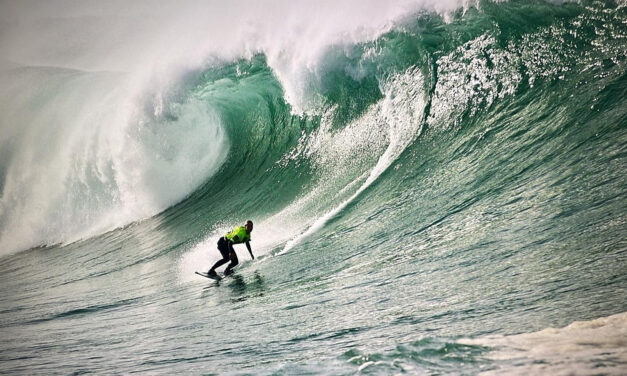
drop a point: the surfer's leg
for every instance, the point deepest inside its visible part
(234, 262)
(224, 251)
(218, 264)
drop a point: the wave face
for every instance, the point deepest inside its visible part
(102, 129)
(418, 172)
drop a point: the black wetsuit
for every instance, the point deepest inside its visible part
(225, 247)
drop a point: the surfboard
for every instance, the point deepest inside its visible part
(217, 277)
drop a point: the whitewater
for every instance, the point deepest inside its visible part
(437, 187)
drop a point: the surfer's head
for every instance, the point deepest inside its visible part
(248, 226)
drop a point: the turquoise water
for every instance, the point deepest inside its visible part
(428, 200)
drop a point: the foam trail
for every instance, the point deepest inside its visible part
(402, 109)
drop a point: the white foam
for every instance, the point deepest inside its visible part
(581, 348)
(146, 37)
(95, 155)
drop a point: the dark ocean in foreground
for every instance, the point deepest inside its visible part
(448, 196)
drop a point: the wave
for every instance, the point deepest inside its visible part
(288, 128)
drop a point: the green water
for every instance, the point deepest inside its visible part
(450, 181)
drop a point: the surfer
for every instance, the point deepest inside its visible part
(240, 234)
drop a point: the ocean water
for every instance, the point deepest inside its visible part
(436, 187)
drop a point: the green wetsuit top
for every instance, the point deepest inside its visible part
(238, 235)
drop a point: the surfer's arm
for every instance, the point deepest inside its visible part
(250, 250)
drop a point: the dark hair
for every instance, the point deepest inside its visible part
(249, 221)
